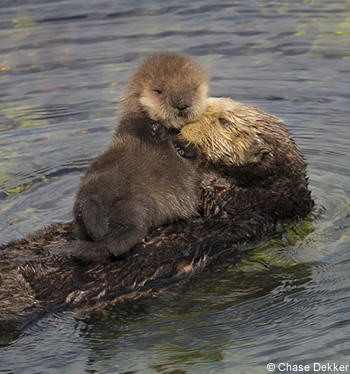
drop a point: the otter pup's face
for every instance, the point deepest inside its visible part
(172, 88)
(234, 134)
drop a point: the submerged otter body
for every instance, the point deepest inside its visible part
(140, 181)
(236, 205)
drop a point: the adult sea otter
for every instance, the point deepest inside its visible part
(254, 181)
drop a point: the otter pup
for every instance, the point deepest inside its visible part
(254, 152)
(168, 88)
(141, 181)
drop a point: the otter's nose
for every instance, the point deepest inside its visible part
(182, 102)
(182, 105)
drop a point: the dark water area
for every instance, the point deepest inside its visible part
(287, 300)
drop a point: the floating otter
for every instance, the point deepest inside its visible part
(39, 274)
(256, 153)
(140, 181)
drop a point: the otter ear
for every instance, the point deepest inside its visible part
(258, 154)
(265, 150)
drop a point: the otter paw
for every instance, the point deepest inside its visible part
(87, 252)
(186, 149)
(158, 131)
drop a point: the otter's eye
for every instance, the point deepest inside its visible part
(158, 92)
(224, 122)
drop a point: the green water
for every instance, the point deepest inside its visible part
(287, 300)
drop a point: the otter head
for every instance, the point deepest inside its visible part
(235, 135)
(170, 87)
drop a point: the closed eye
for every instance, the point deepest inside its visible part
(224, 122)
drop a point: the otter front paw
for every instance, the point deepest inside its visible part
(186, 149)
(158, 132)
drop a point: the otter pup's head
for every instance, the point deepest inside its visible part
(170, 88)
(234, 134)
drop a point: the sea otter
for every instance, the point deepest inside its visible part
(168, 88)
(239, 143)
(255, 152)
(141, 181)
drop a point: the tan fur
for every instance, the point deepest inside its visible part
(231, 133)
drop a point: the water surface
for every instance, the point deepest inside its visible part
(287, 300)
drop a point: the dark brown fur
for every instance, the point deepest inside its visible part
(140, 181)
(132, 187)
(40, 276)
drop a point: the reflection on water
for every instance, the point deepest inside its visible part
(62, 67)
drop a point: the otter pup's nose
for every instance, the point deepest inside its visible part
(182, 105)
(182, 102)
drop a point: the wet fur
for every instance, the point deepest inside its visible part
(256, 153)
(236, 204)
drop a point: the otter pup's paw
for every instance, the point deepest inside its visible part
(87, 252)
(186, 149)
(158, 132)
